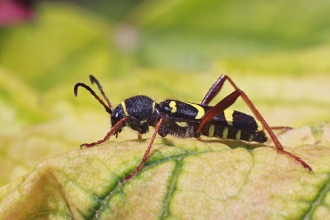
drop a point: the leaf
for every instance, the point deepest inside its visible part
(182, 179)
(186, 35)
(11, 103)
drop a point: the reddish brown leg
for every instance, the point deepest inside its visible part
(146, 153)
(228, 101)
(215, 89)
(109, 134)
(284, 128)
(280, 129)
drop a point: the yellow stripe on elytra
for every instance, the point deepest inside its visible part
(124, 108)
(259, 128)
(238, 135)
(173, 106)
(200, 110)
(225, 133)
(229, 116)
(211, 130)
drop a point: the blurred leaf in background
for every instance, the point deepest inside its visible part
(277, 52)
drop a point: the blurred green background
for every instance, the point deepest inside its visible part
(278, 52)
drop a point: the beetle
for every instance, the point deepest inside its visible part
(186, 120)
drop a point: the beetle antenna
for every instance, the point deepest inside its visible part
(94, 80)
(107, 108)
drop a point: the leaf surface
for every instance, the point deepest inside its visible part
(182, 179)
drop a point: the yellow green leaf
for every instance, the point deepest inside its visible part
(182, 179)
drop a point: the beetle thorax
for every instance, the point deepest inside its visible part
(138, 108)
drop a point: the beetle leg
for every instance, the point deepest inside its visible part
(146, 153)
(215, 89)
(228, 101)
(107, 136)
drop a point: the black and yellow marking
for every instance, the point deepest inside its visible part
(124, 108)
(199, 108)
(232, 133)
(191, 111)
(229, 124)
(250, 138)
(185, 110)
(173, 106)
(238, 120)
(238, 135)
(181, 124)
(183, 119)
(211, 130)
(228, 113)
(225, 133)
(128, 109)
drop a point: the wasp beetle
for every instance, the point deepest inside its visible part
(186, 120)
